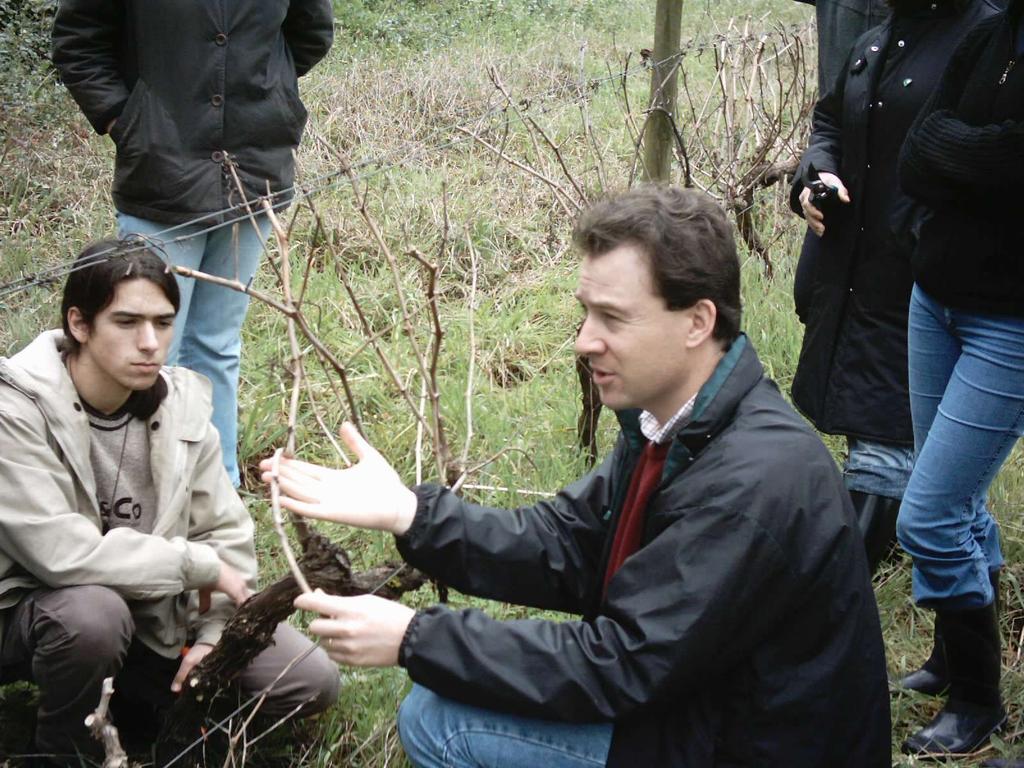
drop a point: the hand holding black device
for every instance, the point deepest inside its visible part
(822, 195)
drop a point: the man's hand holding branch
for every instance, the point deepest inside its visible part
(366, 630)
(361, 631)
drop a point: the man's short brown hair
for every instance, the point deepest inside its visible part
(688, 241)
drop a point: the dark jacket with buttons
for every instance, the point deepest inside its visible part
(964, 159)
(840, 22)
(192, 84)
(854, 283)
(743, 632)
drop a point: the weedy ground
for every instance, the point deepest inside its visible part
(399, 77)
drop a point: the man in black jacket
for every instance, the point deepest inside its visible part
(196, 95)
(727, 615)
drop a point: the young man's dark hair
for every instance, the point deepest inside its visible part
(687, 238)
(100, 268)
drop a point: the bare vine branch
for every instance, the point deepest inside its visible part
(471, 314)
(282, 534)
(103, 730)
(565, 201)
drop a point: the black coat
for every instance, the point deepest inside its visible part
(839, 23)
(964, 159)
(853, 286)
(191, 83)
(744, 632)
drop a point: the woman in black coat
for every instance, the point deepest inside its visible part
(854, 277)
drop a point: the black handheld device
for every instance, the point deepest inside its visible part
(822, 195)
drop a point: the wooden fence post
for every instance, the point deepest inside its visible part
(659, 139)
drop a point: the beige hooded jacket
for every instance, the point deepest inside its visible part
(50, 529)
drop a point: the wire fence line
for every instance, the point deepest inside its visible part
(373, 166)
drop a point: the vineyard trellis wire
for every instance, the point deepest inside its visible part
(373, 166)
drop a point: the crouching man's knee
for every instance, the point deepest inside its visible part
(91, 624)
(302, 677)
(79, 635)
(321, 682)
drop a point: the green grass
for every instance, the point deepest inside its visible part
(400, 73)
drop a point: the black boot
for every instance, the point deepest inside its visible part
(1000, 762)
(974, 710)
(876, 516)
(933, 677)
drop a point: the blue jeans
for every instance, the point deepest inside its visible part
(207, 330)
(441, 733)
(878, 468)
(967, 402)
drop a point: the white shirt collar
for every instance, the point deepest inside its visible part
(662, 433)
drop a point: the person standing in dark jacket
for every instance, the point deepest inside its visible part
(851, 379)
(192, 94)
(964, 158)
(727, 611)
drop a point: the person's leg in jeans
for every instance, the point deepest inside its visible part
(876, 475)
(967, 400)
(932, 352)
(882, 469)
(440, 733)
(66, 641)
(211, 342)
(207, 331)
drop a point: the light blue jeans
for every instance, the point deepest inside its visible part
(441, 733)
(207, 330)
(878, 468)
(967, 401)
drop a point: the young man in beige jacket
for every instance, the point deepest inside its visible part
(123, 546)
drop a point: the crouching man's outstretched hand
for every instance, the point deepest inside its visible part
(368, 494)
(361, 631)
